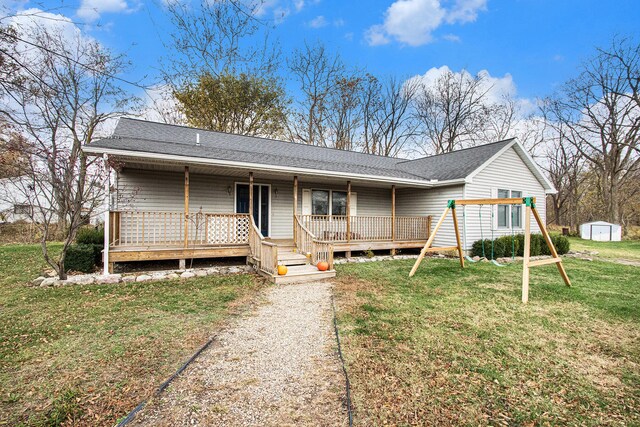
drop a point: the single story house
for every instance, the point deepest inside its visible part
(181, 193)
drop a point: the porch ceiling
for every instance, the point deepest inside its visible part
(171, 166)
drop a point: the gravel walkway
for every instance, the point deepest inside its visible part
(276, 366)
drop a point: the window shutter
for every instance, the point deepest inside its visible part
(306, 202)
(354, 204)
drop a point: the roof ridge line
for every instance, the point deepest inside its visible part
(261, 137)
(456, 151)
(235, 150)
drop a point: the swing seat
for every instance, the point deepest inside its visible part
(497, 264)
(469, 259)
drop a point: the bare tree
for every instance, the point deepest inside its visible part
(58, 103)
(452, 111)
(597, 112)
(565, 168)
(345, 112)
(218, 37)
(316, 71)
(387, 120)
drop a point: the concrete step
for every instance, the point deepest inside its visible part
(303, 273)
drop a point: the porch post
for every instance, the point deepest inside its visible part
(250, 194)
(393, 217)
(295, 207)
(186, 206)
(107, 268)
(348, 253)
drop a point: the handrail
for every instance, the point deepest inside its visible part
(265, 253)
(307, 242)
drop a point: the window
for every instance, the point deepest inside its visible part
(516, 211)
(509, 216)
(338, 203)
(329, 202)
(320, 202)
(22, 209)
(503, 210)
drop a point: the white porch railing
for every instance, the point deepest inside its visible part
(367, 228)
(159, 228)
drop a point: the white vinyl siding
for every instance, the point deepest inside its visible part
(164, 191)
(421, 202)
(507, 172)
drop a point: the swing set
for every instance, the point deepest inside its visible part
(530, 208)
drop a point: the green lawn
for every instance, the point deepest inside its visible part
(453, 347)
(91, 353)
(627, 249)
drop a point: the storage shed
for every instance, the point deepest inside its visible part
(601, 231)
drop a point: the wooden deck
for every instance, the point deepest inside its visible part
(151, 253)
(151, 236)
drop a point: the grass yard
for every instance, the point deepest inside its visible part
(86, 355)
(452, 347)
(626, 249)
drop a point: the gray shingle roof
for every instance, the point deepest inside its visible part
(151, 137)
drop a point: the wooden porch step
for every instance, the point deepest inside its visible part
(303, 273)
(291, 258)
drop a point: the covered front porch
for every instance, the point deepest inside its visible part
(309, 216)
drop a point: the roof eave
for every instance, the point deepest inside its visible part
(93, 150)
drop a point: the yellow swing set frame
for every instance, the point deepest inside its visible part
(530, 208)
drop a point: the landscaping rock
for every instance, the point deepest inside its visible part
(212, 271)
(82, 279)
(108, 279)
(234, 270)
(49, 281)
(187, 275)
(143, 278)
(200, 273)
(128, 279)
(37, 281)
(172, 276)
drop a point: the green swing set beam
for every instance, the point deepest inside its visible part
(530, 208)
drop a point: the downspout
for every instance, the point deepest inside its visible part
(464, 219)
(107, 216)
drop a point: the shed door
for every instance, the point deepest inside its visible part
(601, 233)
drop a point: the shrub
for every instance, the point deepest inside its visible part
(94, 237)
(90, 236)
(561, 243)
(503, 247)
(80, 258)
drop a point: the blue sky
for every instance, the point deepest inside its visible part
(539, 43)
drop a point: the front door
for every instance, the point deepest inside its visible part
(261, 204)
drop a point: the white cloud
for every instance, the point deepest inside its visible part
(497, 87)
(299, 4)
(29, 20)
(465, 11)
(412, 22)
(452, 38)
(91, 10)
(318, 22)
(376, 36)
